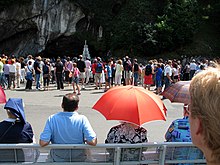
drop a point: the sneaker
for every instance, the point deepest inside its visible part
(96, 87)
(79, 94)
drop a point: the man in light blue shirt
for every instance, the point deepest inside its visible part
(68, 127)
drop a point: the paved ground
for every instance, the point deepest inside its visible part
(40, 104)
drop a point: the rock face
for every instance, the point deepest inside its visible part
(28, 29)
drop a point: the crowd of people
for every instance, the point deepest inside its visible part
(200, 121)
(80, 72)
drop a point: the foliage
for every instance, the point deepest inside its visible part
(142, 27)
(139, 28)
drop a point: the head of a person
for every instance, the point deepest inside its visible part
(98, 59)
(68, 58)
(169, 62)
(80, 57)
(30, 57)
(70, 102)
(205, 112)
(160, 60)
(58, 59)
(29, 62)
(126, 58)
(74, 65)
(15, 109)
(120, 61)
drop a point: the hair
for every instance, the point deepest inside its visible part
(74, 64)
(70, 102)
(205, 100)
(120, 61)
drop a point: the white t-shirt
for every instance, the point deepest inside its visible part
(88, 64)
(175, 72)
(18, 67)
(118, 69)
(192, 66)
(168, 70)
(12, 68)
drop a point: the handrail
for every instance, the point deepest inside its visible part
(121, 145)
(153, 148)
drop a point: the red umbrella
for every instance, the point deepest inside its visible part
(2, 96)
(131, 104)
(178, 92)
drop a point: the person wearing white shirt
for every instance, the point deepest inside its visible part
(18, 73)
(168, 74)
(12, 71)
(192, 67)
(118, 72)
(88, 69)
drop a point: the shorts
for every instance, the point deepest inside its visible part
(158, 83)
(75, 80)
(128, 74)
(108, 80)
(176, 77)
(98, 76)
(82, 75)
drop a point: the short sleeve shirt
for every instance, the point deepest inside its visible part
(168, 70)
(67, 128)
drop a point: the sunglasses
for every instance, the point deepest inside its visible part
(187, 109)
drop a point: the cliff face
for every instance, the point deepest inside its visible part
(28, 29)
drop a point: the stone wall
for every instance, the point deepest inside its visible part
(28, 29)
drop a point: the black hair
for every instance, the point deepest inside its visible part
(70, 102)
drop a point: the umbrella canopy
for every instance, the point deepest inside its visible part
(131, 104)
(178, 92)
(15, 105)
(2, 96)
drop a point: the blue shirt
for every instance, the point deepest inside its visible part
(67, 128)
(179, 131)
(159, 74)
(109, 71)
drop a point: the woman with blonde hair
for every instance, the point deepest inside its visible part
(204, 113)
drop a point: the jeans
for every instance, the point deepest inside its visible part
(135, 78)
(37, 81)
(167, 82)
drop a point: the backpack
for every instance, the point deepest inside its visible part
(148, 70)
(99, 68)
(45, 69)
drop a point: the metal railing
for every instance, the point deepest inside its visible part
(105, 154)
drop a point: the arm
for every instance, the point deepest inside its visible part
(45, 136)
(93, 142)
(169, 77)
(43, 143)
(88, 133)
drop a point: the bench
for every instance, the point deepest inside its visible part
(149, 153)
